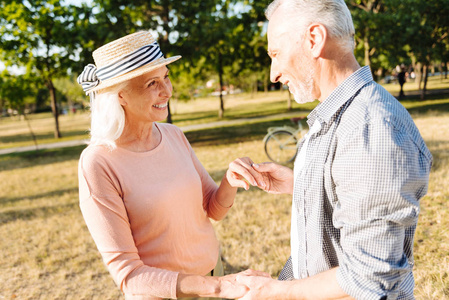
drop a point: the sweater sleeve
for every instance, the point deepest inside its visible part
(210, 202)
(107, 220)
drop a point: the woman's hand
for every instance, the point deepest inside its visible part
(230, 288)
(270, 177)
(241, 174)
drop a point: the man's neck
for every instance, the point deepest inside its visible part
(333, 72)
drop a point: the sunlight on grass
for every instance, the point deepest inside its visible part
(14, 131)
(47, 252)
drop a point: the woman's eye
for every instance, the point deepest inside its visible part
(151, 83)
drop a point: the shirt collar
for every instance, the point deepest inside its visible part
(340, 95)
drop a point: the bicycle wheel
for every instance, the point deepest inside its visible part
(280, 146)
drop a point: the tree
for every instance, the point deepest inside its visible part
(427, 34)
(380, 33)
(172, 20)
(71, 90)
(16, 94)
(35, 35)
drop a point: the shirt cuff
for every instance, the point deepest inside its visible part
(359, 287)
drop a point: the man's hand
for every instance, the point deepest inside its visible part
(258, 284)
(230, 288)
(277, 179)
(270, 177)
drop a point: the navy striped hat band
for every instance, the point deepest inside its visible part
(92, 77)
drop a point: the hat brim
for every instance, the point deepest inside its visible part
(104, 85)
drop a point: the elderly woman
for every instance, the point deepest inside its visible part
(144, 195)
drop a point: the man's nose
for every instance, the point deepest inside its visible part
(275, 75)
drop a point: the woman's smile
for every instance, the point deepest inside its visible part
(161, 105)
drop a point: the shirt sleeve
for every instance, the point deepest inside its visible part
(106, 218)
(379, 174)
(210, 202)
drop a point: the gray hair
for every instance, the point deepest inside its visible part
(333, 14)
(107, 117)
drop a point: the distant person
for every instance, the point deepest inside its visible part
(360, 171)
(401, 80)
(144, 195)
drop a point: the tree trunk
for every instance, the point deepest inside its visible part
(221, 108)
(418, 71)
(366, 47)
(164, 42)
(447, 66)
(169, 119)
(267, 80)
(254, 89)
(425, 72)
(31, 130)
(220, 77)
(54, 107)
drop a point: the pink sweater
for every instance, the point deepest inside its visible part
(148, 213)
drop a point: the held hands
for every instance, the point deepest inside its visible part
(270, 177)
(258, 284)
(229, 288)
(238, 285)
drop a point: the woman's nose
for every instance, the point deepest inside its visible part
(167, 88)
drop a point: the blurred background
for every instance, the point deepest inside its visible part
(223, 100)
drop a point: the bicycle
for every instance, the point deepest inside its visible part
(281, 143)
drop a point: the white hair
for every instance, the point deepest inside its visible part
(333, 14)
(107, 117)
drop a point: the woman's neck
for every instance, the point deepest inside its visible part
(140, 137)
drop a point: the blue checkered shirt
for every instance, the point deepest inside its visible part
(357, 195)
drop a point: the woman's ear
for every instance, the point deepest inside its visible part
(316, 34)
(121, 98)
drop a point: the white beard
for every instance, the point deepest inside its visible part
(303, 91)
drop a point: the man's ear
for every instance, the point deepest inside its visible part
(316, 35)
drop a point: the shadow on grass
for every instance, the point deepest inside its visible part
(37, 196)
(204, 137)
(40, 136)
(440, 153)
(233, 134)
(41, 157)
(228, 268)
(430, 108)
(37, 212)
(232, 114)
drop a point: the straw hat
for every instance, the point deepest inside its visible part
(121, 60)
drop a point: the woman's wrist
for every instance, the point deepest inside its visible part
(197, 286)
(226, 192)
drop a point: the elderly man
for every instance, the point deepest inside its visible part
(359, 173)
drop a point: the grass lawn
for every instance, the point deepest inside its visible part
(47, 252)
(15, 132)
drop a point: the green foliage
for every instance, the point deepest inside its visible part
(35, 34)
(15, 92)
(223, 40)
(392, 32)
(70, 89)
